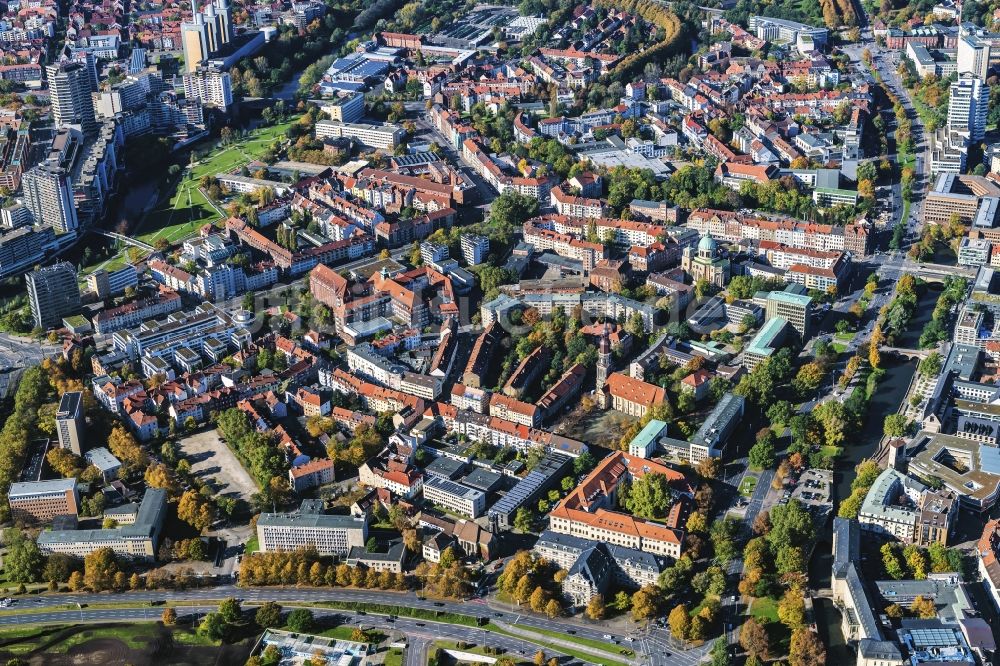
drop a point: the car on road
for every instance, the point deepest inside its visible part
(608, 637)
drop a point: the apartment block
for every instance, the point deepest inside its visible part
(454, 496)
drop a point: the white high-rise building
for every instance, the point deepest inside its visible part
(210, 86)
(48, 194)
(968, 106)
(53, 293)
(70, 93)
(973, 56)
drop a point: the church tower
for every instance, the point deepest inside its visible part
(603, 367)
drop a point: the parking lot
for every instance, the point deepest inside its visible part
(211, 458)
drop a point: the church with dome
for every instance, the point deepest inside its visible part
(705, 263)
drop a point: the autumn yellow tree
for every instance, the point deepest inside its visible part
(679, 621)
(194, 510)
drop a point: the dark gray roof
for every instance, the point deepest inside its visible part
(847, 542)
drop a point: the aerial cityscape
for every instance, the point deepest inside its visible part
(556, 333)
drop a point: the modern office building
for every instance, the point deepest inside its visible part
(454, 496)
(53, 293)
(138, 540)
(105, 462)
(70, 95)
(386, 136)
(43, 500)
(70, 421)
(346, 108)
(309, 526)
(766, 342)
(48, 194)
(967, 107)
(23, 247)
(112, 283)
(794, 307)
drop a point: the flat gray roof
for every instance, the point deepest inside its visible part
(32, 488)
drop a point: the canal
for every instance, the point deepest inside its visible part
(887, 399)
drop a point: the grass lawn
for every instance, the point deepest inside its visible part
(135, 636)
(403, 611)
(831, 451)
(252, 545)
(180, 214)
(394, 657)
(589, 642)
(747, 485)
(343, 633)
(579, 654)
(764, 609)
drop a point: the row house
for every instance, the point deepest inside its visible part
(734, 227)
(565, 245)
(575, 206)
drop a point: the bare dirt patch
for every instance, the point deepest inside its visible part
(210, 458)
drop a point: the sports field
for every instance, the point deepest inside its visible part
(180, 214)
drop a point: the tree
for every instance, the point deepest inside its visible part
(622, 601)
(697, 522)
(538, 599)
(806, 649)
(753, 638)
(791, 525)
(300, 620)
(649, 496)
(792, 609)
(64, 462)
(524, 521)
(159, 476)
(595, 608)
(710, 468)
(644, 603)
(213, 627)
(891, 562)
(169, 616)
(720, 653)
(24, 561)
(553, 608)
(923, 608)
(895, 425)
(99, 569)
(790, 559)
(762, 454)
(59, 567)
(75, 582)
(916, 560)
(809, 378)
(679, 622)
(230, 610)
(195, 510)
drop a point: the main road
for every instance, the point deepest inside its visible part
(653, 646)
